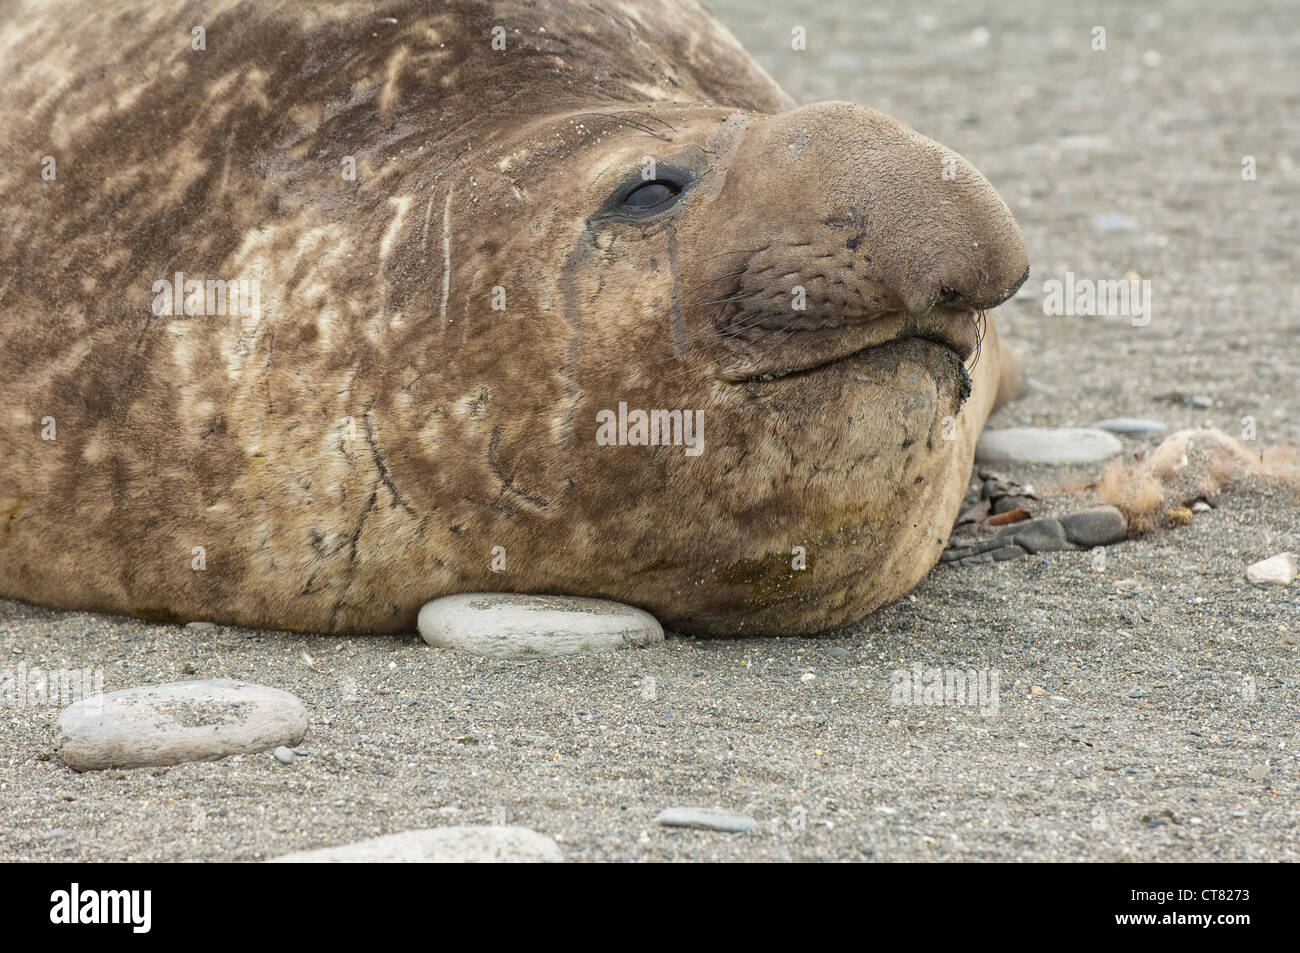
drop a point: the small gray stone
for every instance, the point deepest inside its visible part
(837, 651)
(1042, 445)
(284, 755)
(1130, 425)
(521, 626)
(707, 818)
(439, 845)
(1112, 222)
(156, 725)
(1095, 526)
(1198, 400)
(1043, 535)
(1034, 384)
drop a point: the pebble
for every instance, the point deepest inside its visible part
(837, 651)
(284, 755)
(155, 725)
(706, 818)
(1198, 400)
(1114, 223)
(1034, 384)
(1279, 570)
(1095, 526)
(1044, 445)
(439, 845)
(505, 625)
(1039, 536)
(1130, 425)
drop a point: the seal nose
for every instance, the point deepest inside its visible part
(926, 229)
(956, 298)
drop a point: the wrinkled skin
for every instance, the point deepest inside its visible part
(363, 445)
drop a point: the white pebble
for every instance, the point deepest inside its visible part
(520, 626)
(177, 722)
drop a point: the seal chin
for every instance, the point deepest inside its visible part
(807, 351)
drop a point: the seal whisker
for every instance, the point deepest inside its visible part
(713, 334)
(727, 299)
(732, 274)
(981, 328)
(736, 251)
(734, 332)
(630, 123)
(650, 115)
(672, 353)
(771, 350)
(708, 334)
(748, 100)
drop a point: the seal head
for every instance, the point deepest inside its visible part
(600, 313)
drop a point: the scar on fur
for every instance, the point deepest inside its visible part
(446, 258)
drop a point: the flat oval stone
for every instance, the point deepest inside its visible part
(707, 818)
(1130, 425)
(1043, 445)
(507, 625)
(1095, 526)
(181, 721)
(439, 845)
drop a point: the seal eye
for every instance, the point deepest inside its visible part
(651, 195)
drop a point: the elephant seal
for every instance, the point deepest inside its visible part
(311, 313)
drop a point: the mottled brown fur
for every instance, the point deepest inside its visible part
(363, 446)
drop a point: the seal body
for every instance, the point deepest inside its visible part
(310, 314)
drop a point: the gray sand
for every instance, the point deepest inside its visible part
(1166, 724)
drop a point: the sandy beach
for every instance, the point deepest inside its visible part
(1150, 721)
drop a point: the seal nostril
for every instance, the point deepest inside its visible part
(948, 298)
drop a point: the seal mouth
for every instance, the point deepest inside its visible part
(782, 351)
